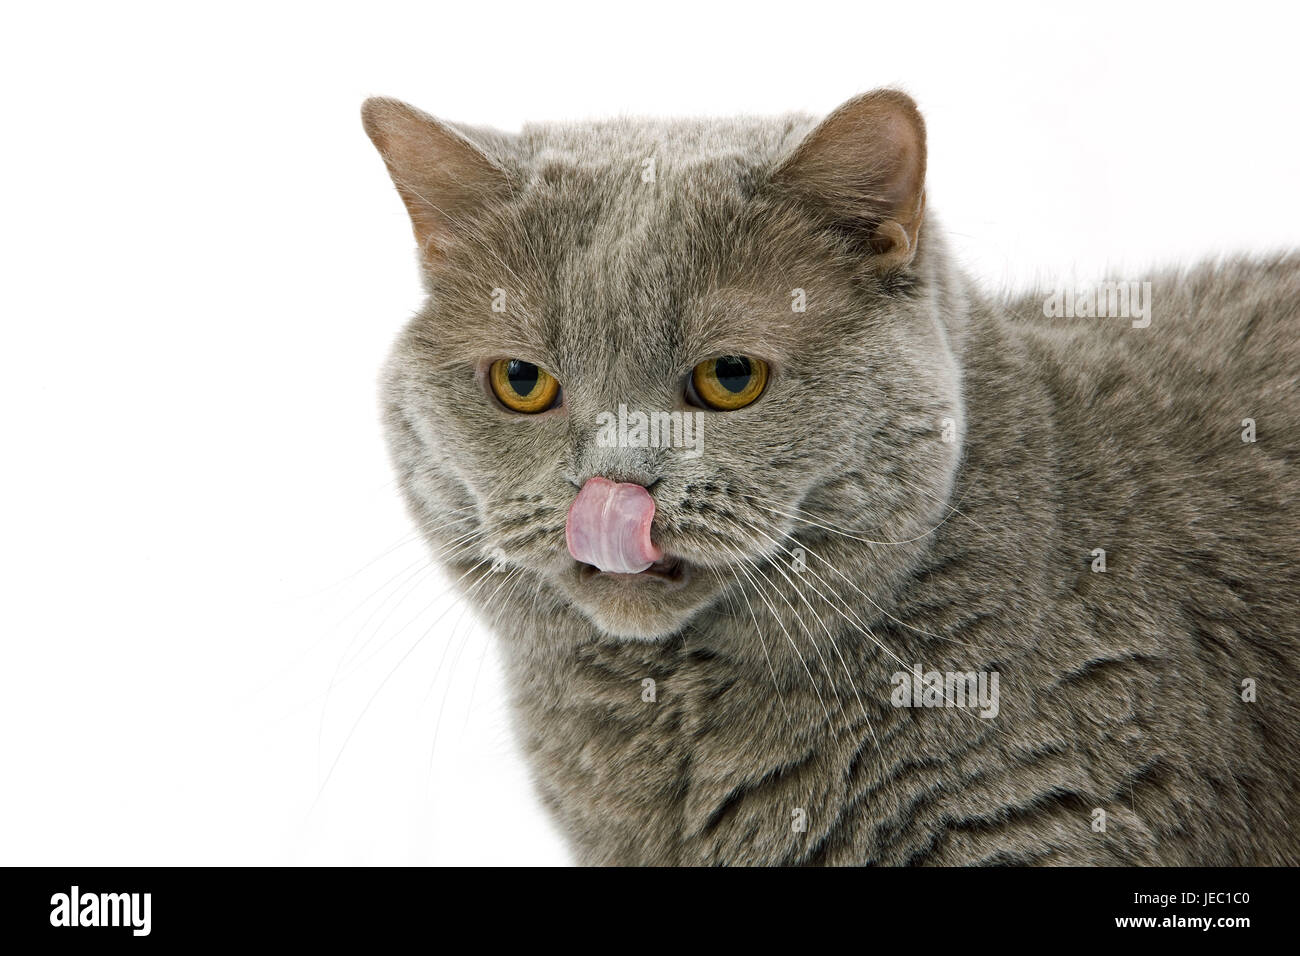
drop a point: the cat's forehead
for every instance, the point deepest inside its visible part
(628, 226)
(624, 183)
(613, 144)
(632, 248)
(651, 186)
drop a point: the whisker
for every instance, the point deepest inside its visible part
(451, 549)
(930, 494)
(511, 577)
(742, 559)
(339, 676)
(867, 630)
(883, 612)
(846, 534)
(537, 593)
(830, 637)
(457, 554)
(866, 597)
(408, 539)
(795, 614)
(382, 684)
(776, 685)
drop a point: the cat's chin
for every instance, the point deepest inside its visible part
(630, 630)
(646, 607)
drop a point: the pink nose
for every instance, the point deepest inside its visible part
(609, 526)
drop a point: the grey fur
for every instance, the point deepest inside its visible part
(1120, 691)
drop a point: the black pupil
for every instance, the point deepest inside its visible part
(733, 373)
(522, 377)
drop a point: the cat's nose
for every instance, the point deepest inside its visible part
(609, 526)
(637, 466)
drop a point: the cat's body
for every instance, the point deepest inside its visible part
(857, 538)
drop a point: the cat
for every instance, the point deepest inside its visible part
(954, 579)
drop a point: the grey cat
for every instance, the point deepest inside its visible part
(944, 579)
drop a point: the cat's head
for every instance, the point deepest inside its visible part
(670, 346)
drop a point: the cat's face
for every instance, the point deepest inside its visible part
(787, 357)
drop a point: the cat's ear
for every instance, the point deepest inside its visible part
(864, 167)
(441, 176)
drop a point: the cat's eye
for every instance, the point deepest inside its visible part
(522, 386)
(729, 382)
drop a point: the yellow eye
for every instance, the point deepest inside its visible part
(522, 386)
(730, 381)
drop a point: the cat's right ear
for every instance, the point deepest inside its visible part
(863, 168)
(440, 175)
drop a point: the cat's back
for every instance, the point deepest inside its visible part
(1163, 455)
(1219, 343)
(1180, 435)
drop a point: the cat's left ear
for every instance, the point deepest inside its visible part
(864, 167)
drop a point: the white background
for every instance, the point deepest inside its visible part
(203, 265)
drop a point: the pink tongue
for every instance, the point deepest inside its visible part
(609, 526)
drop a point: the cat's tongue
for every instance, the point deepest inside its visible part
(609, 526)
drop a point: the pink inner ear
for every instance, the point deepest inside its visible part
(609, 527)
(440, 174)
(865, 161)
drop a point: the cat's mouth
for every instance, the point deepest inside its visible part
(670, 570)
(627, 584)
